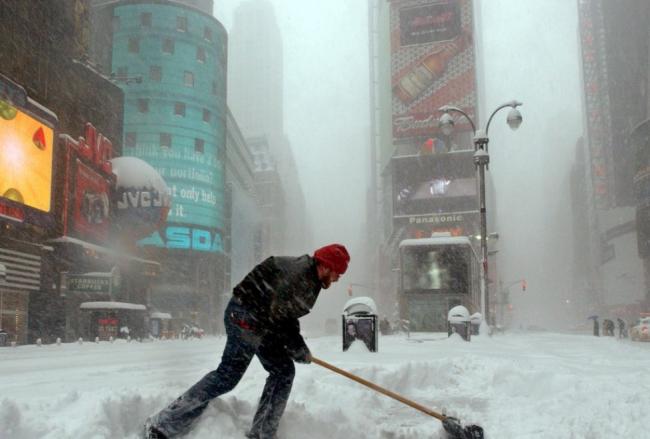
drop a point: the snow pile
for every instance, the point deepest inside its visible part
(515, 385)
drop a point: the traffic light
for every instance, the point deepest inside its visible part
(523, 285)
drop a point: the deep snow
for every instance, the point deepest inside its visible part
(519, 385)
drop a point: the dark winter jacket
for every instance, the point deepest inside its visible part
(277, 293)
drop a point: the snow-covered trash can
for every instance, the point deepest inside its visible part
(359, 322)
(475, 320)
(458, 321)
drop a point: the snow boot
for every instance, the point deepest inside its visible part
(151, 432)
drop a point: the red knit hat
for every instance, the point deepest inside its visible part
(334, 256)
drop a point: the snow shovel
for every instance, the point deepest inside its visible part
(452, 425)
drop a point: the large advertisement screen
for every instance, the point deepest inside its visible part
(432, 63)
(434, 183)
(25, 158)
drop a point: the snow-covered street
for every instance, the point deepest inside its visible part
(519, 385)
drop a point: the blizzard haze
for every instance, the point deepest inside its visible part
(531, 53)
(326, 118)
(525, 50)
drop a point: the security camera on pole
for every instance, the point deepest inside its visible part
(481, 160)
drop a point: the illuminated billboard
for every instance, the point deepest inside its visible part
(424, 184)
(432, 63)
(89, 180)
(25, 158)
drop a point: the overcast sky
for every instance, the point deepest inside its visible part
(530, 53)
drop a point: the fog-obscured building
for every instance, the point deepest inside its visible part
(256, 99)
(244, 242)
(614, 42)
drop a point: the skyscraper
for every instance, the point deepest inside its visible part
(256, 99)
(169, 58)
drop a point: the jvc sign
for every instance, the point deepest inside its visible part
(186, 238)
(139, 198)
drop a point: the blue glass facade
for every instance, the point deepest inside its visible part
(171, 62)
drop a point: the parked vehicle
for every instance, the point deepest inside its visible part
(641, 331)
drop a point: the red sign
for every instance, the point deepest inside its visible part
(91, 202)
(89, 179)
(12, 212)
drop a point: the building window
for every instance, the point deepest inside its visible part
(200, 54)
(116, 23)
(130, 139)
(206, 115)
(214, 87)
(143, 105)
(221, 154)
(181, 24)
(155, 73)
(179, 109)
(165, 140)
(134, 45)
(207, 34)
(145, 19)
(199, 145)
(188, 79)
(168, 45)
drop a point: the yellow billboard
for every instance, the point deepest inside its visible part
(25, 158)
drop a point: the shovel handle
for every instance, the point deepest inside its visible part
(379, 389)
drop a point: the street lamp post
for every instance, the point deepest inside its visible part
(481, 160)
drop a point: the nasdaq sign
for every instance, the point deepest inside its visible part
(186, 238)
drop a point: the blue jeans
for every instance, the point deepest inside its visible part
(242, 344)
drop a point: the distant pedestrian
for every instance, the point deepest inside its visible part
(384, 326)
(622, 333)
(596, 327)
(608, 327)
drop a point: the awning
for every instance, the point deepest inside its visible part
(160, 315)
(113, 305)
(116, 256)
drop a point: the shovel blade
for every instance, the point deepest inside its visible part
(456, 431)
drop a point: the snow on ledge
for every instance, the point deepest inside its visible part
(113, 305)
(438, 240)
(160, 315)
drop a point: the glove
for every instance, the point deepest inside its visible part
(300, 355)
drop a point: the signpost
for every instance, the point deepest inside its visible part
(94, 283)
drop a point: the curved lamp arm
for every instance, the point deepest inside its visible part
(512, 104)
(449, 109)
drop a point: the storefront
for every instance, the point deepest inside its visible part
(112, 320)
(20, 275)
(102, 290)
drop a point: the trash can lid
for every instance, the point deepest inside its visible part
(458, 314)
(360, 305)
(477, 317)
